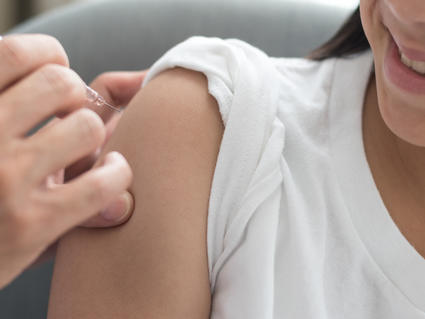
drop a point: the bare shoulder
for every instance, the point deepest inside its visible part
(156, 265)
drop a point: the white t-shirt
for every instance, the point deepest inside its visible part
(296, 226)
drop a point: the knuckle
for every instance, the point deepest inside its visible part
(90, 126)
(64, 82)
(56, 49)
(97, 190)
(17, 51)
(56, 78)
(13, 51)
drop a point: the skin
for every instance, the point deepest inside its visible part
(155, 266)
(394, 120)
(117, 88)
(36, 206)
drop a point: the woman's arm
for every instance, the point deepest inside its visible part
(156, 265)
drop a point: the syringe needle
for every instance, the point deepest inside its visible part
(98, 100)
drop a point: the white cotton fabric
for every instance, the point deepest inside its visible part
(296, 225)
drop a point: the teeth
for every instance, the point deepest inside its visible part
(417, 66)
(406, 60)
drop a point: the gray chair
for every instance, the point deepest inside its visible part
(131, 34)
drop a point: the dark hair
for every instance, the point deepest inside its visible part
(349, 39)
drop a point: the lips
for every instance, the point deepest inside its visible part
(401, 75)
(412, 54)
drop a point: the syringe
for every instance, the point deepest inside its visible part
(98, 100)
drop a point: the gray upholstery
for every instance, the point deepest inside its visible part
(131, 35)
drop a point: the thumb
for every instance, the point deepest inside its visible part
(117, 213)
(118, 88)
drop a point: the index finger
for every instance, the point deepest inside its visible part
(21, 54)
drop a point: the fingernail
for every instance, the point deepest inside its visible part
(119, 209)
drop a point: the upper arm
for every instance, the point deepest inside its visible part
(155, 266)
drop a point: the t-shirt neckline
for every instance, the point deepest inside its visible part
(392, 252)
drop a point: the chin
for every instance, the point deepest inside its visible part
(405, 120)
(402, 112)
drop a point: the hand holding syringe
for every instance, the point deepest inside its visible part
(34, 164)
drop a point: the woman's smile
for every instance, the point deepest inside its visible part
(402, 71)
(396, 32)
(404, 57)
